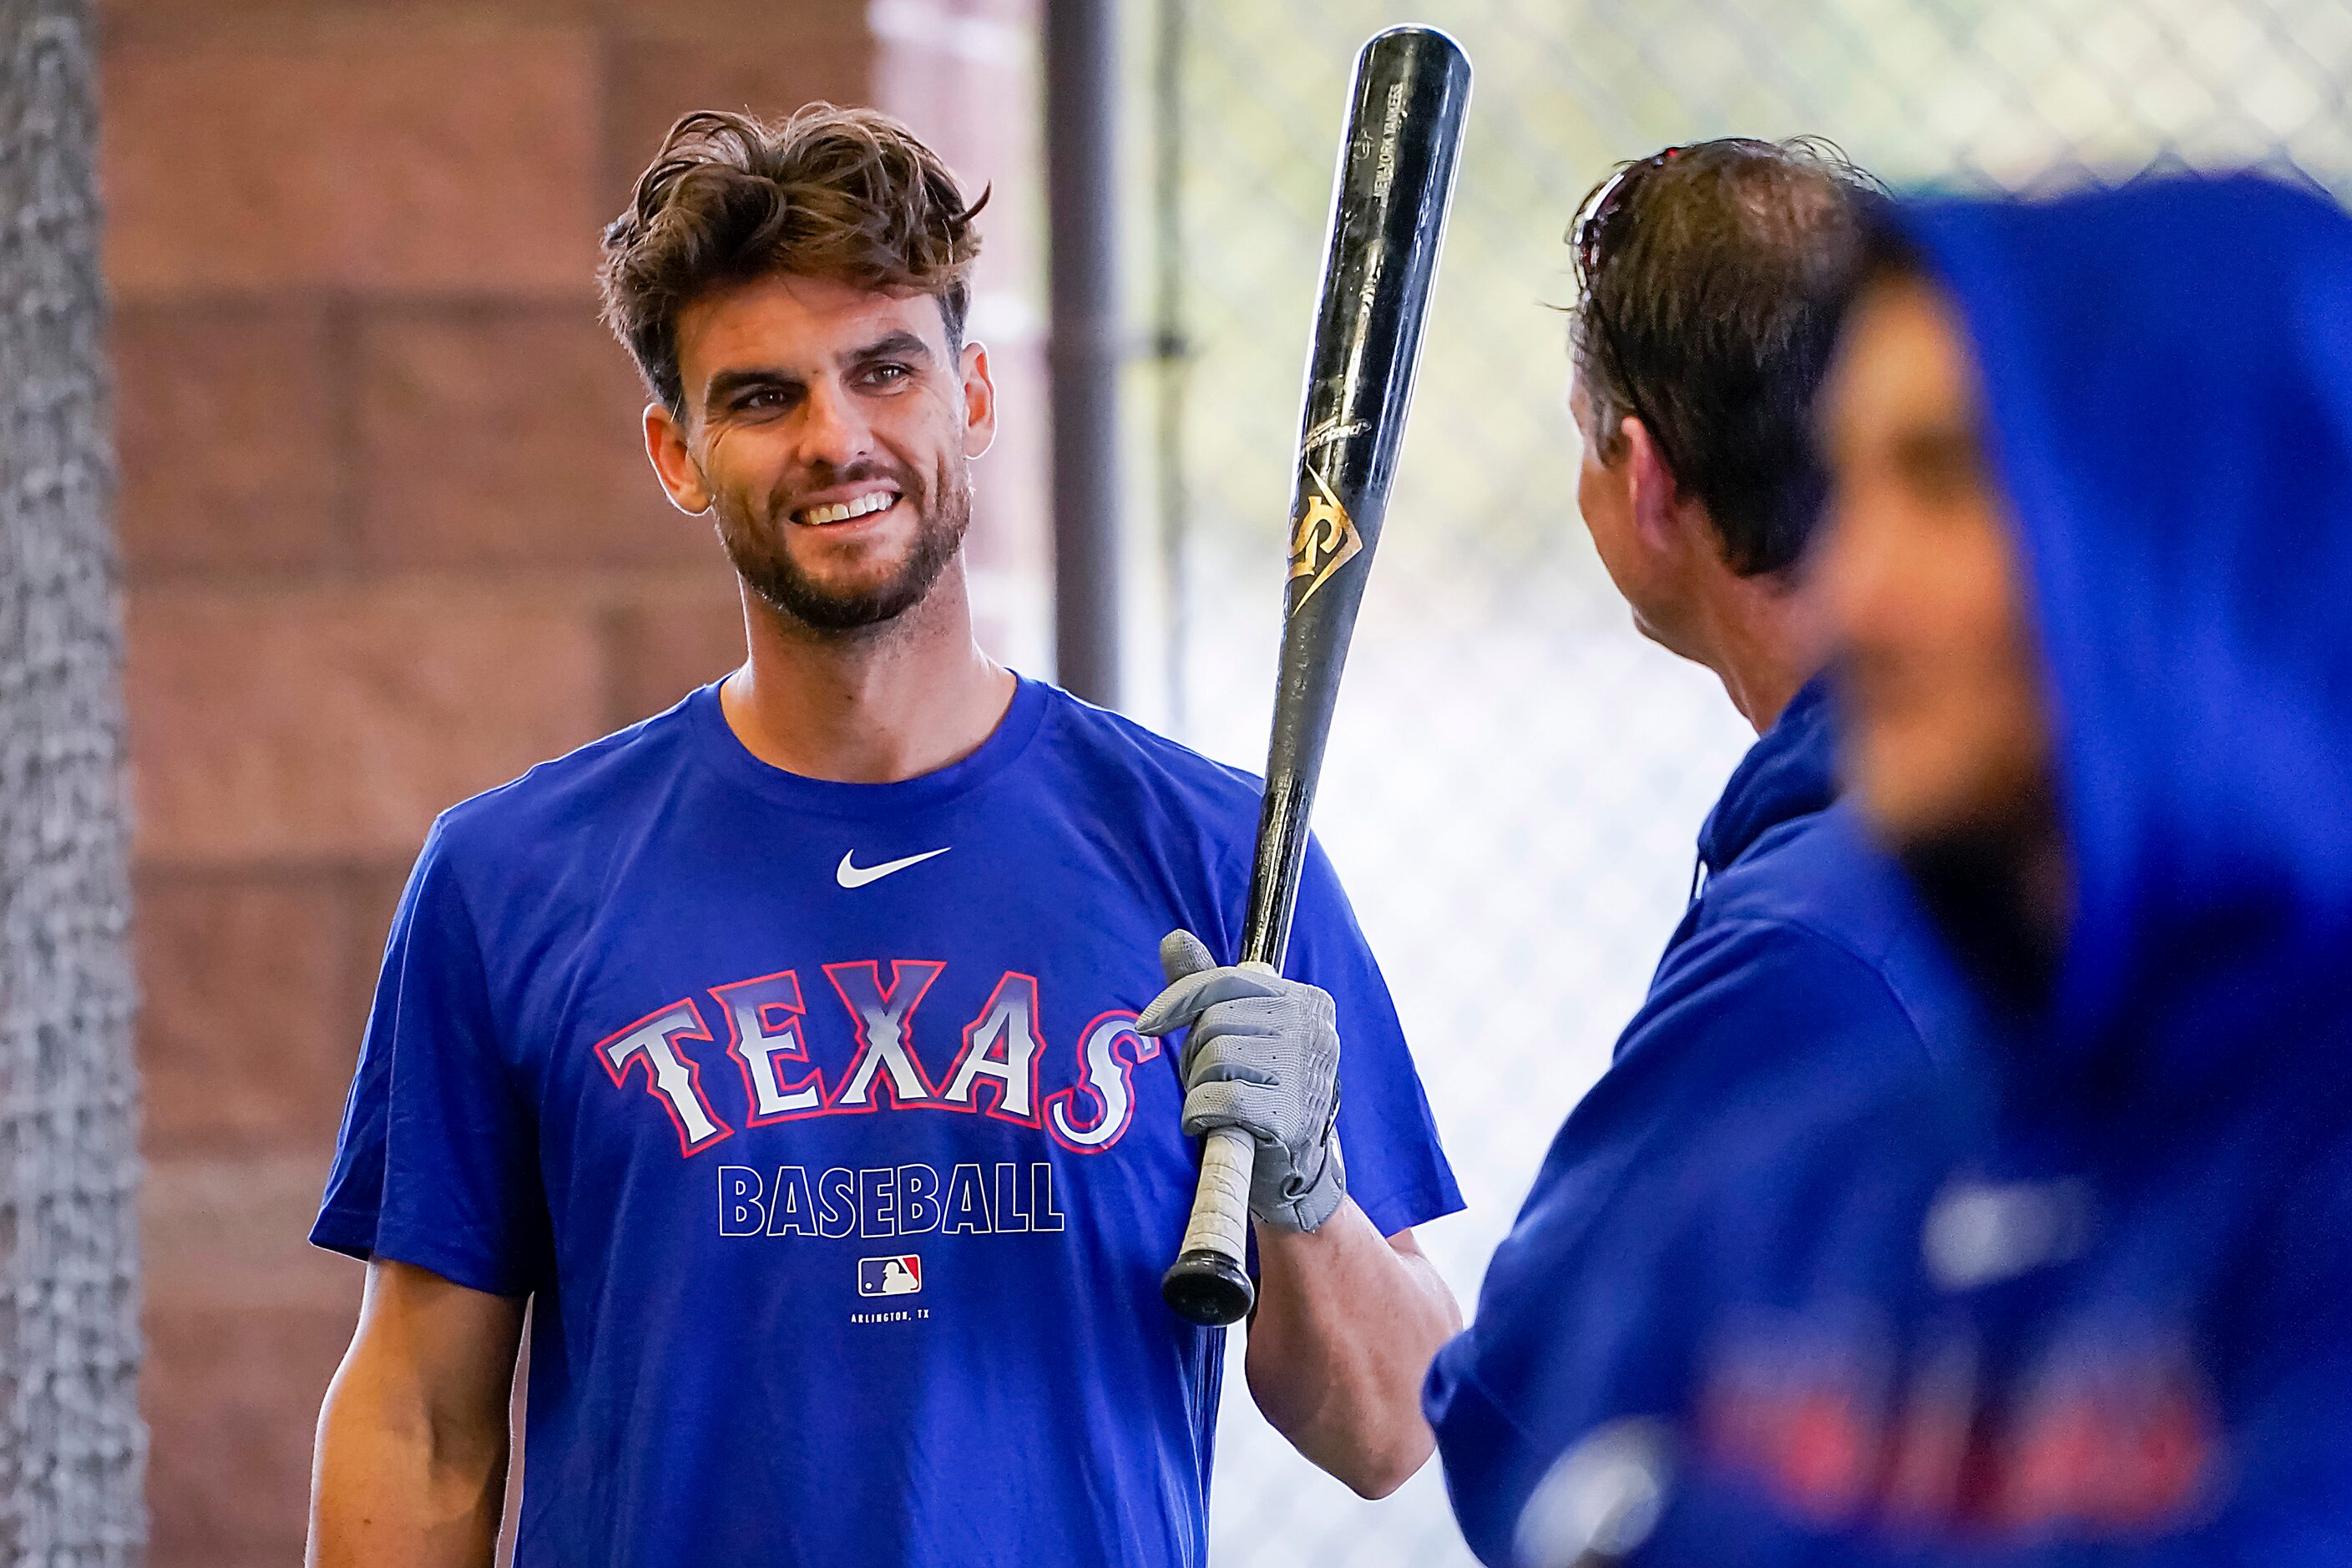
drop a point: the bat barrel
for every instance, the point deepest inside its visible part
(1388, 201)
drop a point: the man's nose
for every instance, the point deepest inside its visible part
(833, 431)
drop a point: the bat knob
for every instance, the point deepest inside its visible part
(1209, 1288)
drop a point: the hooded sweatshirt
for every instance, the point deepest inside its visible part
(2122, 1332)
(1802, 990)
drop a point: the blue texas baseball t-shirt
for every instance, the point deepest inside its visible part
(812, 1118)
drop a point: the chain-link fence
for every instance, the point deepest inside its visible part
(71, 1446)
(1516, 779)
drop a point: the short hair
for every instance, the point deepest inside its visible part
(850, 195)
(1708, 280)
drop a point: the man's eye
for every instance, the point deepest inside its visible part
(888, 374)
(766, 397)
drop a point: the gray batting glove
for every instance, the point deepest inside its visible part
(1263, 1056)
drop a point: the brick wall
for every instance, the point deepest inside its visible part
(389, 541)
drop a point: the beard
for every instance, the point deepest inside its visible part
(757, 544)
(1995, 887)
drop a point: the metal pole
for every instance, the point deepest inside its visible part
(1085, 339)
(1170, 347)
(72, 1450)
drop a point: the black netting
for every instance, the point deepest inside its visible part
(1516, 779)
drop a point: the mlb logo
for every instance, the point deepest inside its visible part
(899, 1275)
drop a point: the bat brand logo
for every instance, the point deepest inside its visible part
(1325, 540)
(899, 1275)
(1332, 430)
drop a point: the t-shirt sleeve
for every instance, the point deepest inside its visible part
(437, 1161)
(1397, 1171)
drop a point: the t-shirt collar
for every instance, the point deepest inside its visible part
(726, 753)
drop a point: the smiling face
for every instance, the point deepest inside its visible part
(830, 431)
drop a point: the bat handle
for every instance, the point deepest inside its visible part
(1207, 1283)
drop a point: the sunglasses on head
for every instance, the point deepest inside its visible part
(1592, 240)
(1608, 205)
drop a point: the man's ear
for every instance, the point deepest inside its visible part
(979, 401)
(1656, 499)
(673, 463)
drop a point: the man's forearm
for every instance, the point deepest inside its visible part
(1346, 1327)
(1347, 1321)
(388, 1491)
(411, 1465)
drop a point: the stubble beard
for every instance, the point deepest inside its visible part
(756, 545)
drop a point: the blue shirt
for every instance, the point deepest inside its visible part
(842, 1192)
(2120, 1332)
(1799, 992)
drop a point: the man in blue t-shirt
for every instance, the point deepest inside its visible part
(1803, 989)
(783, 1052)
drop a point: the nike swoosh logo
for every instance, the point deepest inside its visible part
(849, 874)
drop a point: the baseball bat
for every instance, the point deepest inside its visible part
(1388, 201)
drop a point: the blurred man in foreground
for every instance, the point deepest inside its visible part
(2090, 552)
(1803, 983)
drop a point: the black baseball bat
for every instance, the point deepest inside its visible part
(1388, 201)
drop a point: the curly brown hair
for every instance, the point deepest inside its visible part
(849, 195)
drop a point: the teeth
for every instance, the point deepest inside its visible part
(842, 512)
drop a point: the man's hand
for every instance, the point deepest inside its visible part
(1263, 1056)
